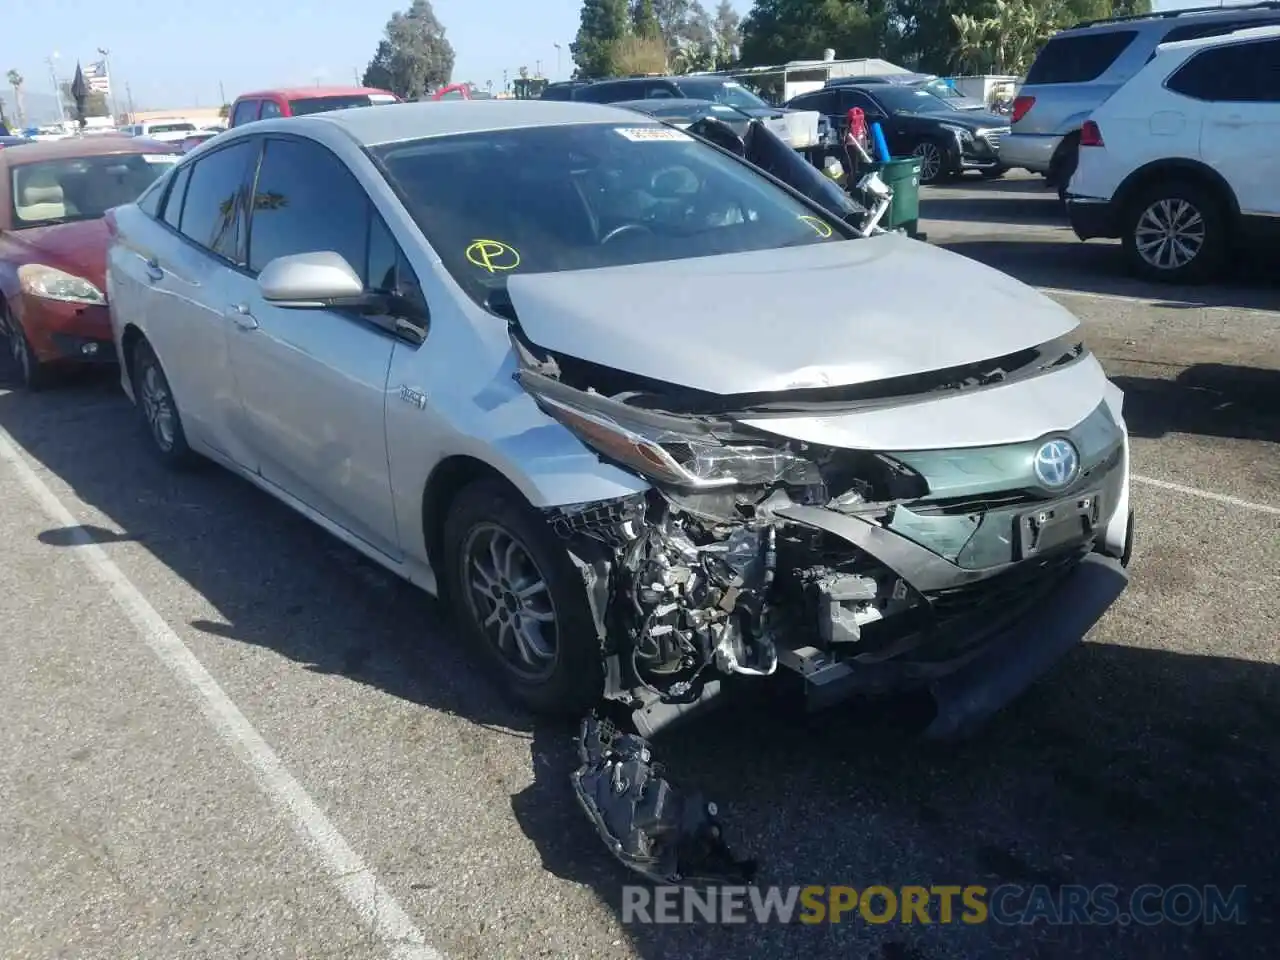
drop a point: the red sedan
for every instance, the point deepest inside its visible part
(53, 244)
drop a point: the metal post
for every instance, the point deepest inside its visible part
(557, 46)
(57, 90)
(112, 102)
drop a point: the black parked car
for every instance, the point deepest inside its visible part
(947, 141)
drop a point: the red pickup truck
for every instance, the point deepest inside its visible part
(265, 104)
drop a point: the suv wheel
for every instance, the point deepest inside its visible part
(1064, 163)
(521, 601)
(1176, 233)
(934, 161)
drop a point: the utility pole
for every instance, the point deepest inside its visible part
(113, 103)
(57, 90)
(129, 95)
(557, 46)
(222, 95)
(537, 68)
(355, 73)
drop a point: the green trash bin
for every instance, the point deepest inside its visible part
(903, 177)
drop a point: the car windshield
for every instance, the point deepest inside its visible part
(942, 89)
(910, 100)
(170, 127)
(323, 104)
(581, 196)
(81, 188)
(722, 91)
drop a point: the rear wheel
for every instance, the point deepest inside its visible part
(158, 410)
(521, 601)
(1063, 166)
(32, 374)
(1176, 232)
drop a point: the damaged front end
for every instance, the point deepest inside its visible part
(854, 571)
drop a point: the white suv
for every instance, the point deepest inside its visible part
(1183, 162)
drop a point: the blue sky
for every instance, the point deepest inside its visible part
(176, 54)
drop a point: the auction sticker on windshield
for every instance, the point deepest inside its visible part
(161, 157)
(644, 134)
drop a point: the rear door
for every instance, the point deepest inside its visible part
(1240, 84)
(202, 250)
(314, 382)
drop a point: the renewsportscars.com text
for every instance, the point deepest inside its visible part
(1008, 904)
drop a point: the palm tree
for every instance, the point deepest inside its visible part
(16, 81)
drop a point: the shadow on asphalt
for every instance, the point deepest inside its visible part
(997, 206)
(1125, 766)
(1208, 399)
(1098, 267)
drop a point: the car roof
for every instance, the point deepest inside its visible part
(1166, 20)
(397, 122)
(674, 102)
(309, 93)
(74, 147)
(1217, 40)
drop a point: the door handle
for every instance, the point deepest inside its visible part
(154, 273)
(241, 317)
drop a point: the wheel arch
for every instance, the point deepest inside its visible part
(1183, 168)
(130, 336)
(447, 479)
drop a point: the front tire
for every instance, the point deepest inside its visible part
(32, 374)
(1176, 233)
(521, 601)
(158, 409)
(935, 162)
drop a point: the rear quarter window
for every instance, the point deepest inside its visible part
(1079, 58)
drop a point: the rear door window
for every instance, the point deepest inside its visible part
(610, 92)
(1238, 73)
(1079, 58)
(177, 193)
(823, 101)
(213, 214)
(270, 109)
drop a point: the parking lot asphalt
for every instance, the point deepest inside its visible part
(226, 735)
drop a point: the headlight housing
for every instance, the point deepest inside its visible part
(663, 449)
(50, 283)
(963, 134)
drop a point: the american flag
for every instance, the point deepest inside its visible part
(95, 75)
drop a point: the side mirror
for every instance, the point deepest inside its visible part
(314, 281)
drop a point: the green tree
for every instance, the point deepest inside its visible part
(224, 111)
(644, 20)
(16, 81)
(776, 31)
(415, 57)
(727, 27)
(604, 23)
(95, 103)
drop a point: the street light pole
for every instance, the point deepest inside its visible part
(557, 46)
(57, 90)
(111, 83)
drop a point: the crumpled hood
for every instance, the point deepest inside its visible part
(833, 314)
(79, 248)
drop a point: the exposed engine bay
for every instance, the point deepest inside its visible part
(752, 552)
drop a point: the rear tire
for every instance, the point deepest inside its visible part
(1188, 212)
(158, 409)
(520, 601)
(1063, 166)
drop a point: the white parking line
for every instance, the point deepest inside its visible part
(1207, 495)
(374, 904)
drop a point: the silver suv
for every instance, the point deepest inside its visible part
(1081, 67)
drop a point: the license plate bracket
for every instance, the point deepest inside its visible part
(1055, 524)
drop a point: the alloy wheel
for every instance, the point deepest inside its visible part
(510, 601)
(1170, 233)
(930, 161)
(157, 407)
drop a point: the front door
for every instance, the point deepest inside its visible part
(313, 383)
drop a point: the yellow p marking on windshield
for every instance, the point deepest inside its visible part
(820, 227)
(493, 255)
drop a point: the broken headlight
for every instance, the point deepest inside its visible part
(668, 454)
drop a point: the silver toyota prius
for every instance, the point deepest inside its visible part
(654, 424)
